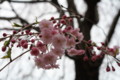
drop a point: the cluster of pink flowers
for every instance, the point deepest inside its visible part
(53, 43)
(56, 38)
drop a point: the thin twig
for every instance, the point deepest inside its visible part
(13, 60)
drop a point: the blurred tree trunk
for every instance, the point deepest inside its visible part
(87, 70)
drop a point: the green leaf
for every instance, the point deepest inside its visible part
(4, 57)
(8, 54)
(6, 43)
(17, 25)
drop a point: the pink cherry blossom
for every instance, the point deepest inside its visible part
(49, 58)
(46, 36)
(39, 62)
(59, 41)
(42, 47)
(54, 31)
(80, 37)
(72, 52)
(75, 32)
(80, 52)
(58, 51)
(70, 42)
(45, 24)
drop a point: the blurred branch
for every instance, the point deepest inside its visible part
(18, 1)
(57, 6)
(8, 18)
(23, 21)
(112, 28)
(73, 10)
(8, 29)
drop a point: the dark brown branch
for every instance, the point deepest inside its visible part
(23, 21)
(8, 18)
(112, 28)
(17, 1)
(73, 10)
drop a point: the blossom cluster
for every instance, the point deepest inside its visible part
(56, 37)
(54, 42)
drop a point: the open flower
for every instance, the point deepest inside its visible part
(73, 52)
(39, 62)
(80, 37)
(70, 42)
(49, 58)
(45, 24)
(46, 36)
(58, 51)
(59, 41)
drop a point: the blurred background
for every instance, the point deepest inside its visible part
(104, 16)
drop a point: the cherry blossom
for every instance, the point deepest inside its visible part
(49, 58)
(45, 24)
(58, 51)
(46, 36)
(70, 42)
(59, 41)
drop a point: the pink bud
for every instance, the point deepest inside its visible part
(63, 21)
(4, 34)
(94, 58)
(52, 18)
(64, 16)
(54, 21)
(70, 19)
(102, 43)
(99, 48)
(108, 69)
(118, 63)
(34, 51)
(27, 31)
(13, 41)
(85, 58)
(14, 32)
(22, 42)
(3, 48)
(32, 40)
(113, 69)
(25, 45)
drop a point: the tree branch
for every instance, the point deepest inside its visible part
(23, 21)
(18, 1)
(13, 60)
(112, 28)
(8, 18)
